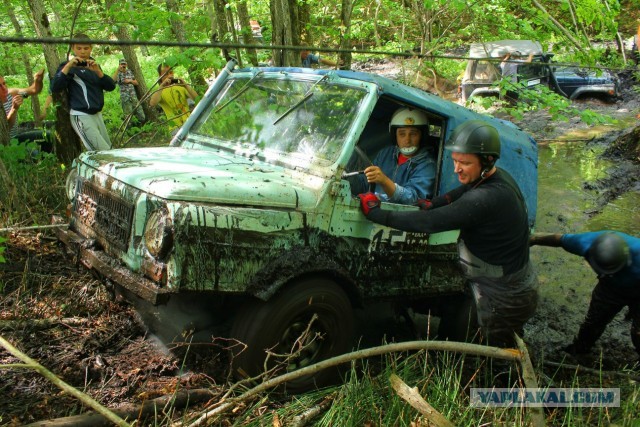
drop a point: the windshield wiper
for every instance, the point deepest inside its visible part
(240, 92)
(306, 96)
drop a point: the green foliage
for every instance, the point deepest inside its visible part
(2, 249)
(35, 188)
(542, 98)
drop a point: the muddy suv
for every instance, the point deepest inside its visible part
(482, 75)
(248, 221)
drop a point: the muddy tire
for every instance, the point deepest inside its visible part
(459, 320)
(317, 305)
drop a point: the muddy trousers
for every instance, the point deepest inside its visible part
(504, 305)
(606, 303)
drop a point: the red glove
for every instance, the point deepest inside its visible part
(368, 201)
(424, 204)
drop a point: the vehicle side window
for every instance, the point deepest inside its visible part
(376, 137)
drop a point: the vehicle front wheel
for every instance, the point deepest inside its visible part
(308, 321)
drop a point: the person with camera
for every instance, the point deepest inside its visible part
(173, 95)
(85, 83)
(12, 99)
(124, 77)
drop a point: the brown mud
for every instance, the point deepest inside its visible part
(100, 347)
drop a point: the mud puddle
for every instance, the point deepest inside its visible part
(570, 200)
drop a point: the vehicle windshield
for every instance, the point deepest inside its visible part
(298, 123)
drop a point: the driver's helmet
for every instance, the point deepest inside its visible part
(475, 137)
(608, 254)
(405, 117)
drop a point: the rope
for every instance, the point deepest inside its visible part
(229, 46)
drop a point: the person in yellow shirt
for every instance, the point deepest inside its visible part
(173, 96)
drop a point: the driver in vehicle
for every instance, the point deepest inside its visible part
(405, 171)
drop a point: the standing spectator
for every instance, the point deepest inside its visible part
(493, 247)
(12, 99)
(173, 96)
(510, 63)
(615, 258)
(85, 83)
(124, 77)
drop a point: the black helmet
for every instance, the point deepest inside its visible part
(475, 137)
(608, 254)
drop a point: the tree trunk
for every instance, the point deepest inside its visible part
(223, 27)
(283, 22)
(4, 129)
(67, 143)
(178, 31)
(35, 101)
(345, 37)
(233, 34)
(245, 28)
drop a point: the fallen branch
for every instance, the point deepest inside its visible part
(14, 325)
(177, 400)
(473, 349)
(530, 381)
(593, 371)
(87, 400)
(304, 418)
(33, 227)
(413, 398)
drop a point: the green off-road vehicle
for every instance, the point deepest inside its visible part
(248, 220)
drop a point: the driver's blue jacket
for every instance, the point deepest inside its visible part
(414, 179)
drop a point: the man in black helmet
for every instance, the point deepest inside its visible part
(615, 257)
(490, 212)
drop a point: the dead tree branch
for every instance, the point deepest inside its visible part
(90, 402)
(472, 349)
(413, 398)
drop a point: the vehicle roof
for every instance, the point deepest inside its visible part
(499, 48)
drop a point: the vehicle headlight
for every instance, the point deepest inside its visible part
(71, 184)
(158, 233)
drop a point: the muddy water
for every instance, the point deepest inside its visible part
(566, 204)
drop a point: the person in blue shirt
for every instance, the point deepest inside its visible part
(308, 59)
(615, 258)
(405, 171)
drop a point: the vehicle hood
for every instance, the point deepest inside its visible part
(191, 175)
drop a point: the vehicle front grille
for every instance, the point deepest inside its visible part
(106, 214)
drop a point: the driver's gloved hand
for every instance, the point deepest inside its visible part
(424, 204)
(368, 201)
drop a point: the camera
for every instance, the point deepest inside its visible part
(175, 81)
(23, 94)
(81, 63)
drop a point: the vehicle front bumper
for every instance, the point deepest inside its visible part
(83, 251)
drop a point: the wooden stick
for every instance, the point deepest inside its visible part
(413, 398)
(473, 349)
(593, 371)
(87, 400)
(530, 381)
(13, 325)
(149, 408)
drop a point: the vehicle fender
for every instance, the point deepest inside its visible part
(603, 89)
(301, 262)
